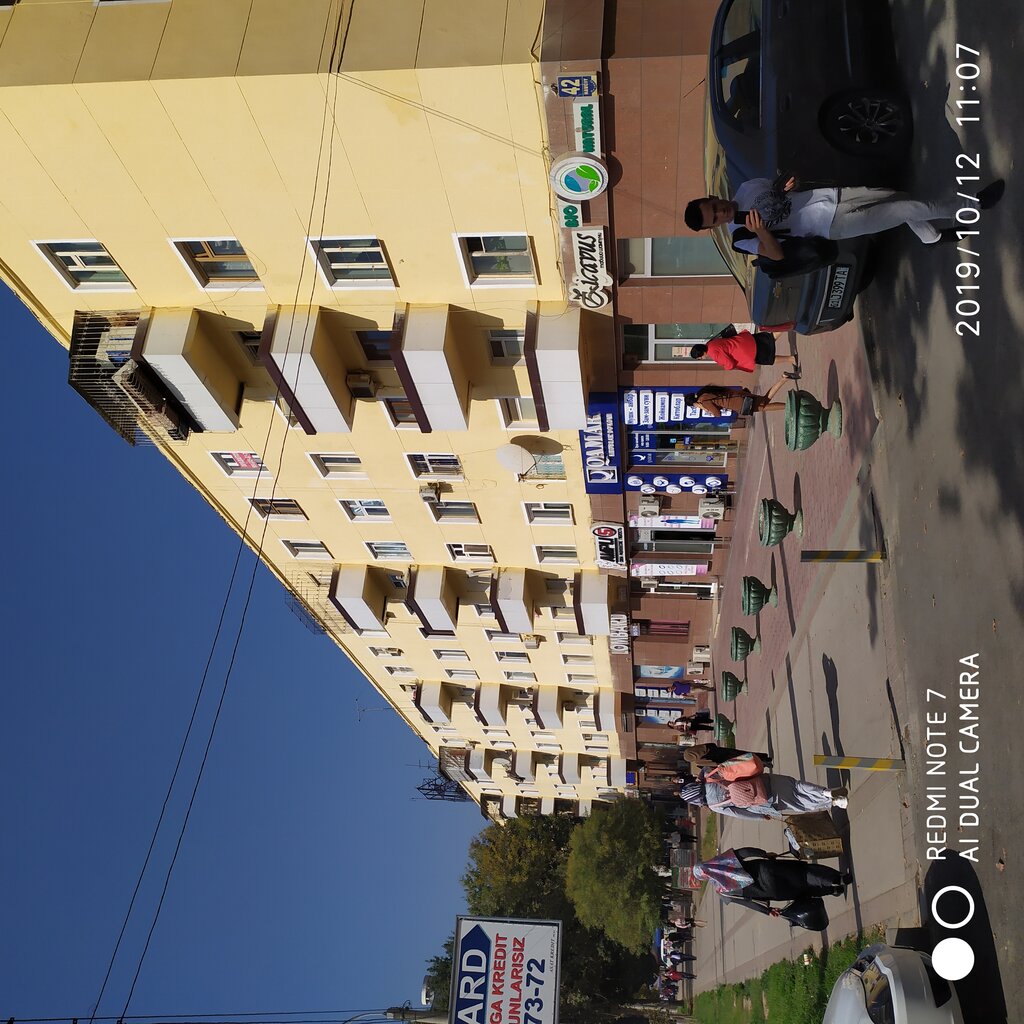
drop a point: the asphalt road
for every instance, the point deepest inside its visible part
(951, 403)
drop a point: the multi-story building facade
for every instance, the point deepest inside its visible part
(310, 249)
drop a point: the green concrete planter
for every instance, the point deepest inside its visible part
(756, 595)
(732, 686)
(807, 419)
(723, 730)
(775, 522)
(743, 644)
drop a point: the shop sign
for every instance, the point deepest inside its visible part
(578, 176)
(610, 544)
(586, 125)
(646, 408)
(660, 522)
(568, 87)
(591, 279)
(662, 479)
(599, 446)
(570, 215)
(619, 639)
(667, 569)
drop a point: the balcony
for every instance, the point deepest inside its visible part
(508, 806)
(522, 765)
(302, 351)
(569, 769)
(617, 772)
(427, 358)
(133, 401)
(434, 703)
(361, 593)
(590, 602)
(553, 360)
(489, 707)
(512, 600)
(547, 706)
(197, 356)
(433, 598)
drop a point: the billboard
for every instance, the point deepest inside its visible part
(505, 971)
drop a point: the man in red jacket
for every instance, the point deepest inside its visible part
(742, 351)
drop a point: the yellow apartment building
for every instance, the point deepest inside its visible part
(307, 248)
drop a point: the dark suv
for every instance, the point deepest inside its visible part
(805, 88)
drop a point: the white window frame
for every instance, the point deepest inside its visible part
(323, 266)
(531, 507)
(542, 559)
(578, 659)
(517, 676)
(513, 657)
(298, 514)
(465, 264)
(461, 673)
(399, 670)
(575, 677)
(242, 473)
(387, 652)
(436, 509)
(451, 654)
(648, 276)
(72, 283)
(497, 335)
(432, 474)
(367, 518)
(384, 402)
(562, 612)
(298, 550)
(695, 363)
(497, 636)
(245, 285)
(458, 555)
(369, 544)
(507, 420)
(575, 639)
(323, 470)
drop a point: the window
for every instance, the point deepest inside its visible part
(496, 259)
(548, 512)
(575, 639)
(461, 673)
(666, 343)
(241, 464)
(485, 611)
(495, 635)
(454, 511)
(520, 677)
(519, 656)
(573, 677)
(399, 670)
(577, 659)
(470, 552)
(556, 585)
(447, 467)
(85, 265)
(217, 262)
(450, 654)
(386, 652)
(320, 579)
(689, 256)
(389, 550)
(277, 508)
(335, 465)
(376, 345)
(308, 549)
(250, 342)
(546, 467)
(556, 553)
(506, 346)
(518, 412)
(365, 508)
(561, 611)
(400, 411)
(352, 262)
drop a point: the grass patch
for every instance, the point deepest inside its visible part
(709, 840)
(787, 993)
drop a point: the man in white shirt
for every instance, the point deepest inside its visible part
(822, 212)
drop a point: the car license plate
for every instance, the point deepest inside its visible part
(839, 279)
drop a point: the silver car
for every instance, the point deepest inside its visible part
(892, 985)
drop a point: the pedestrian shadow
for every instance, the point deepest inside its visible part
(828, 668)
(795, 714)
(895, 718)
(841, 819)
(769, 743)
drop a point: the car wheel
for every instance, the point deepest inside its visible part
(868, 122)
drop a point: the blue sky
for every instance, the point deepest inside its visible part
(309, 876)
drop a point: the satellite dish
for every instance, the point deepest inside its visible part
(515, 458)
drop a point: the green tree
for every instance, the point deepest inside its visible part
(439, 974)
(610, 876)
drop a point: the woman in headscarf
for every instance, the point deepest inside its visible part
(750, 875)
(708, 755)
(770, 796)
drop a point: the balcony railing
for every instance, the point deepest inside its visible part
(125, 393)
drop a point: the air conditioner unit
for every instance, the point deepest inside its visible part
(361, 385)
(711, 508)
(530, 640)
(428, 492)
(650, 586)
(649, 507)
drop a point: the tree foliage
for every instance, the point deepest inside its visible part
(610, 876)
(439, 974)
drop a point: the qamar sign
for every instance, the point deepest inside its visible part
(599, 445)
(588, 284)
(505, 971)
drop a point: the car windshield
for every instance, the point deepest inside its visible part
(736, 62)
(716, 177)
